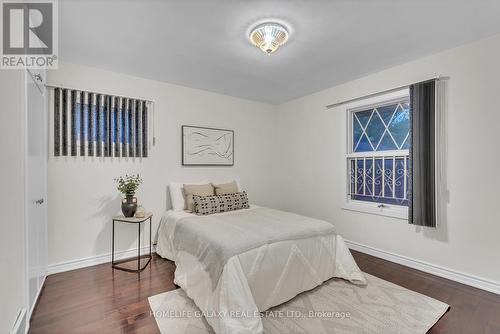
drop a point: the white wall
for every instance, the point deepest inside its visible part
(12, 282)
(312, 142)
(82, 196)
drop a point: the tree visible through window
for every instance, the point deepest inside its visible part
(378, 156)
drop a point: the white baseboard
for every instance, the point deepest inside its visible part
(457, 276)
(94, 260)
(32, 308)
(29, 313)
(19, 326)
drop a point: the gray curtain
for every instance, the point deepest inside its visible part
(422, 181)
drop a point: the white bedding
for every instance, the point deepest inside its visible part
(257, 279)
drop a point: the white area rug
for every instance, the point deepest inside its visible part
(334, 307)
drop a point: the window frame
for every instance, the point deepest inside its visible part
(388, 210)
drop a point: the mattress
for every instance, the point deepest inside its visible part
(256, 279)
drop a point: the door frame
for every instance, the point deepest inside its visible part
(27, 76)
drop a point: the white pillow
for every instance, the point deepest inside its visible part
(176, 196)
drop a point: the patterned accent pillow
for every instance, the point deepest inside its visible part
(207, 205)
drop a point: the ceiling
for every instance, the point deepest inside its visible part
(203, 44)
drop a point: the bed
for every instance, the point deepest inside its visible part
(237, 264)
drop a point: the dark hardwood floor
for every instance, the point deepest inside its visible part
(100, 300)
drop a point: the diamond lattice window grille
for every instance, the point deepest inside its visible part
(384, 128)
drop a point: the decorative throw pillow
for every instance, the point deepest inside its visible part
(207, 205)
(226, 188)
(196, 189)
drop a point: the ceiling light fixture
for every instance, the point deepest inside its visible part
(269, 37)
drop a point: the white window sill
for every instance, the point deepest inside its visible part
(393, 211)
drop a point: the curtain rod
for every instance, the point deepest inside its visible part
(98, 92)
(333, 105)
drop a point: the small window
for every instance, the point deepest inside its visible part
(100, 125)
(378, 151)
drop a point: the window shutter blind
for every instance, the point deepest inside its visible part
(57, 122)
(99, 125)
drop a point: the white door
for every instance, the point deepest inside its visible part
(36, 184)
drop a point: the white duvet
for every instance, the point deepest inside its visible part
(257, 279)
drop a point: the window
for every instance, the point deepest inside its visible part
(378, 154)
(100, 125)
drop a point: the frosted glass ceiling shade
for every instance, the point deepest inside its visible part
(269, 37)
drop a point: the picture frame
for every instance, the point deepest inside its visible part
(206, 146)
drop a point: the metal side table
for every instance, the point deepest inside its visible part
(138, 221)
